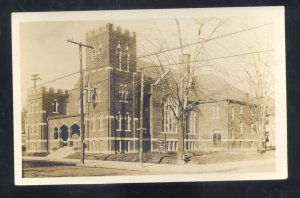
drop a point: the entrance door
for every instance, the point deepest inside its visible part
(217, 139)
(64, 134)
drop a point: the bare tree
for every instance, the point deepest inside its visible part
(260, 78)
(178, 90)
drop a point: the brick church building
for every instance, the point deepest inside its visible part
(111, 107)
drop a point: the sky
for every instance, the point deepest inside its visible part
(45, 51)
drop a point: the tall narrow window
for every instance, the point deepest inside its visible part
(232, 134)
(94, 122)
(123, 93)
(192, 122)
(55, 135)
(94, 57)
(232, 112)
(55, 106)
(128, 118)
(163, 119)
(257, 127)
(119, 121)
(241, 109)
(32, 107)
(252, 128)
(101, 122)
(100, 51)
(119, 55)
(252, 110)
(214, 111)
(29, 128)
(36, 106)
(241, 127)
(218, 111)
(127, 57)
(170, 124)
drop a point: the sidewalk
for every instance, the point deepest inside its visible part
(161, 168)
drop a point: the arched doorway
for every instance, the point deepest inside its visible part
(75, 131)
(217, 138)
(64, 133)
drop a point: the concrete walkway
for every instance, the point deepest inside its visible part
(163, 168)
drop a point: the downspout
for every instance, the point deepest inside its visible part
(47, 126)
(227, 124)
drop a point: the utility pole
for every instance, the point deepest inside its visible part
(141, 118)
(81, 97)
(35, 77)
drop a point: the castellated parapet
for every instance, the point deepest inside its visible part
(111, 45)
(34, 92)
(110, 28)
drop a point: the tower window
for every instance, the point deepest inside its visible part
(123, 93)
(94, 57)
(55, 106)
(100, 51)
(119, 55)
(127, 57)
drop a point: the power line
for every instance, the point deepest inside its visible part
(205, 40)
(160, 52)
(208, 59)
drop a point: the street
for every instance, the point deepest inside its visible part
(35, 169)
(40, 169)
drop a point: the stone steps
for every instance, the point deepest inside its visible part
(61, 153)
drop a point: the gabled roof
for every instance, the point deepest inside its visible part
(211, 87)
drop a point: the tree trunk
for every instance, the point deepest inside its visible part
(181, 130)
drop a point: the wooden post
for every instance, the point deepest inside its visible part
(81, 98)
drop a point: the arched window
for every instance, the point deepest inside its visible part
(55, 133)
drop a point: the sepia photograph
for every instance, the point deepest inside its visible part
(135, 96)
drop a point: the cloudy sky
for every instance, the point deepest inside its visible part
(45, 51)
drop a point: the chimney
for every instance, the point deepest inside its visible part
(185, 66)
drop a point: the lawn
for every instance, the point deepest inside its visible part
(199, 157)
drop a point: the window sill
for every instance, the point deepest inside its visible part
(164, 132)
